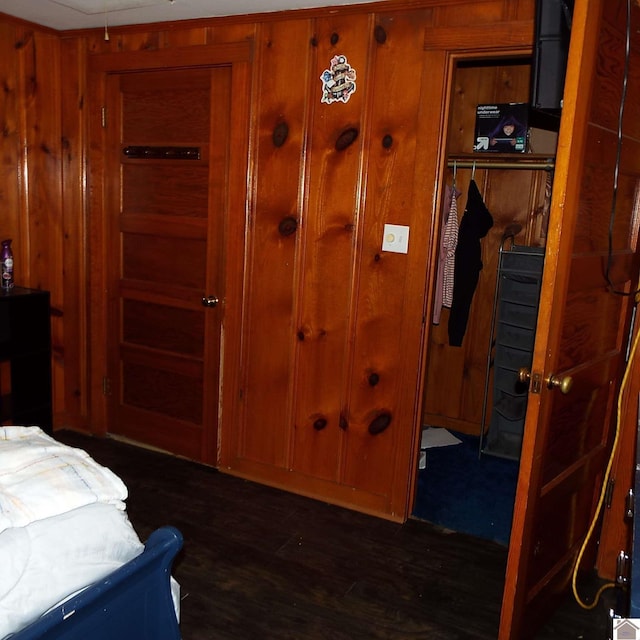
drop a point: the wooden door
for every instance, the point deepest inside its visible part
(583, 321)
(168, 143)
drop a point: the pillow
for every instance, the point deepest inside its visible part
(40, 478)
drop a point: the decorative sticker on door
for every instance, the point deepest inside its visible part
(338, 81)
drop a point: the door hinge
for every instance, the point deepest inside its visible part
(103, 116)
(623, 568)
(106, 386)
(630, 505)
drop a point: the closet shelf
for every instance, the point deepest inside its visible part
(501, 161)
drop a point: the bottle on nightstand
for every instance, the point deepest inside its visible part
(6, 257)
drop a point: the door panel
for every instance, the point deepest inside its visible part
(166, 190)
(582, 324)
(167, 208)
(162, 327)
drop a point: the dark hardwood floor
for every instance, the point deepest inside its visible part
(263, 563)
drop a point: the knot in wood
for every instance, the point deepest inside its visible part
(280, 134)
(288, 226)
(380, 34)
(380, 423)
(346, 138)
(320, 424)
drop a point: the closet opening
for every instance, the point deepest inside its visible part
(482, 324)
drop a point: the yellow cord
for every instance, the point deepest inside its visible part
(603, 492)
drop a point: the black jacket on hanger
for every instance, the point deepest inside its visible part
(476, 222)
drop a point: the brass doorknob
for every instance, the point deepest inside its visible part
(210, 301)
(564, 383)
(524, 375)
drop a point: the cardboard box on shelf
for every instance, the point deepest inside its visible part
(502, 127)
(542, 141)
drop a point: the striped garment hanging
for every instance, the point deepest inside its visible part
(449, 244)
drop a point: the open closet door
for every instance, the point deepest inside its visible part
(583, 323)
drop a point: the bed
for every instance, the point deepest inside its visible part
(72, 565)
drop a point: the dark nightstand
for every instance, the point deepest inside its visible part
(25, 358)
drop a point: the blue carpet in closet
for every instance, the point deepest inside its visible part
(460, 491)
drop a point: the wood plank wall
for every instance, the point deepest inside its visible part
(32, 211)
(329, 282)
(343, 358)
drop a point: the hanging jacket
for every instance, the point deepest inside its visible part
(475, 224)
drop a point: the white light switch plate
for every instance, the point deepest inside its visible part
(395, 238)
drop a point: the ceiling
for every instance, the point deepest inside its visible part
(87, 14)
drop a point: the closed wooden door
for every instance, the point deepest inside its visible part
(168, 144)
(590, 272)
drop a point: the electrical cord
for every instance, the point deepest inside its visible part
(605, 482)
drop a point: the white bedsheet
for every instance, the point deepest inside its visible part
(47, 560)
(63, 524)
(40, 478)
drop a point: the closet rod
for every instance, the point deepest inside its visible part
(546, 165)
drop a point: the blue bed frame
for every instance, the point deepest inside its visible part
(132, 603)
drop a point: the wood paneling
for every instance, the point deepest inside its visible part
(72, 408)
(385, 318)
(330, 253)
(11, 158)
(274, 230)
(31, 183)
(330, 371)
(325, 356)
